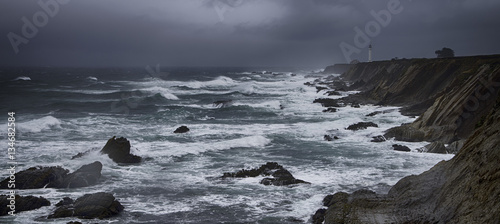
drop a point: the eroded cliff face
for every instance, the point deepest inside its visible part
(452, 95)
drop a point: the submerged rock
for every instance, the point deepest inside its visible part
(90, 206)
(401, 148)
(281, 176)
(181, 129)
(118, 149)
(23, 203)
(361, 125)
(56, 177)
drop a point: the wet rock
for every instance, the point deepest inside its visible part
(98, 205)
(85, 176)
(223, 103)
(38, 177)
(405, 133)
(319, 88)
(361, 125)
(339, 197)
(56, 177)
(281, 176)
(333, 93)
(181, 129)
(330, 110)
(378, 138)
(455, 146)
(435, 147)
(328, 102)
(328, 138)
(401, 148)
(373, 113)
(74, 222)
(319, 216)
(355, 105)
(23, 203)
(118, 149)
(65, 201)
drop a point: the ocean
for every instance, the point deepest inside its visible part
(268, 117)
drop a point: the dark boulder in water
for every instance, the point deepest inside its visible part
(361, 125)
(319, 88)
(90, 206)
(333, 93)
(281, 176)
(379, 138)
(85, 176)
(223, 103)
(23, 203)
(118, 149)
(401, 148)
(330, 110)
(330, 138)
(38, 177)
(328, 102)
(355, 105)
(56, 177)
(181, 129)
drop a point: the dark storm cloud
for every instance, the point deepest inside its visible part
(238, 32)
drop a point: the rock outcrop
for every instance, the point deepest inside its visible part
(118, 149)
(23, 203)
(280, 176)
(56, 177)
(90, 206)
(451, 95)
(181, 129)
(361, 125)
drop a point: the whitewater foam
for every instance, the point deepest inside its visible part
(38, 125)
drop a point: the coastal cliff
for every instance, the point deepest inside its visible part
(452, 95)
(461, 102)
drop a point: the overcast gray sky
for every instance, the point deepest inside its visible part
(240, 32)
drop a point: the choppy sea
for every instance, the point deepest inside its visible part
(270, 118)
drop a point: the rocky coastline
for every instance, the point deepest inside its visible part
(458, 103)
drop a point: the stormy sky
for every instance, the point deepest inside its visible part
(312, 33)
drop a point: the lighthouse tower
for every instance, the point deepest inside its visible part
(370, 53)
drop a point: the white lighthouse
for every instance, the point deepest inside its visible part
(370, 53)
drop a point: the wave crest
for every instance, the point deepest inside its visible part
(38, 125)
